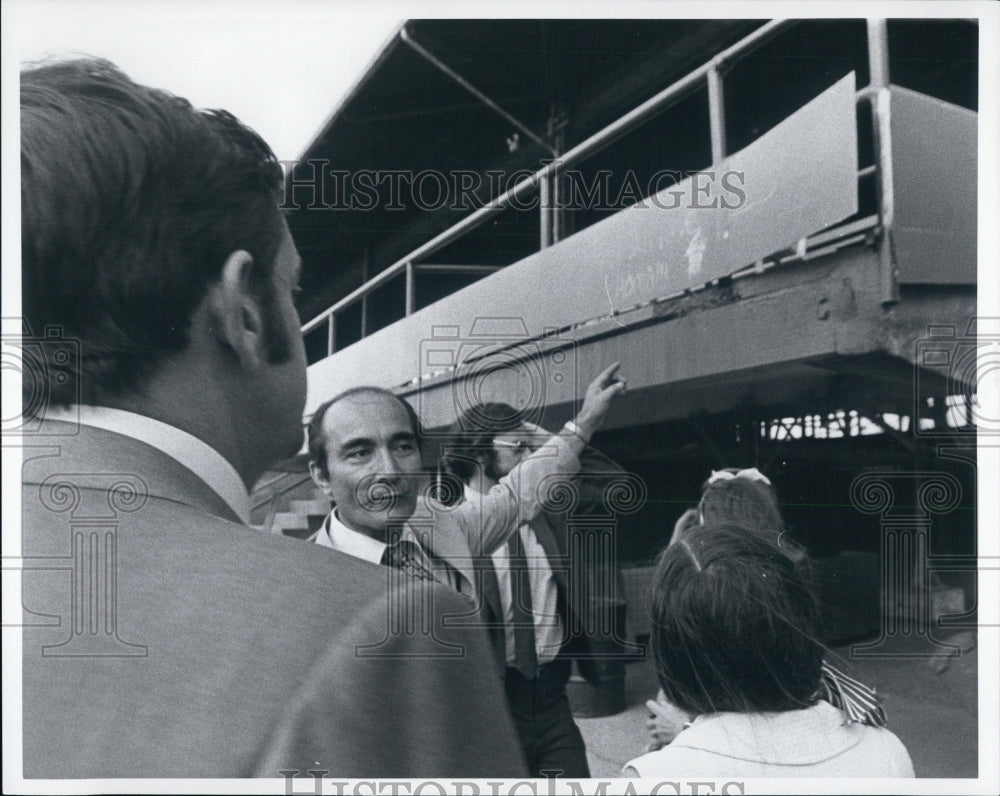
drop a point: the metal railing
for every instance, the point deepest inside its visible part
(876, 93)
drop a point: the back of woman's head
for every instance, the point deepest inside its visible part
(731, 496)
(747, 499)
(734, 624)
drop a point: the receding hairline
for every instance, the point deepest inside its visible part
(373, 391)
(355, 393)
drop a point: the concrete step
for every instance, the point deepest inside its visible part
(271, 484)
(289, 521)
(320, 507)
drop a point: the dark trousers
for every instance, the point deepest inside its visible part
(550, 738)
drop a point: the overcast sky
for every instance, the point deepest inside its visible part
(280, 67)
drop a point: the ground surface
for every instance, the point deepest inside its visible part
(931, 705)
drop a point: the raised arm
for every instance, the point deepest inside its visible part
(489, 521)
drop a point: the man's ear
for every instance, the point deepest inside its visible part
(235, 311)
(318, 478)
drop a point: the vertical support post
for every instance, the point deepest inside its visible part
(878, 67)
(716, 114)
(544, 206)
(750, 418)
(548, 190)
(878, 53)
(410, 288)
(556, 214)
(331, 334)
(364, 299)
(558, 223)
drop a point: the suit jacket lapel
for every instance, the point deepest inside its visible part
(491, 587)
(546, 536)
(439, 536)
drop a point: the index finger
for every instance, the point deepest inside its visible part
(607, 374)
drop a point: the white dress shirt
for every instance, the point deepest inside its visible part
(337, 536)
(198, 456)
(544, 593)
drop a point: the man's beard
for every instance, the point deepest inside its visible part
(491, 469)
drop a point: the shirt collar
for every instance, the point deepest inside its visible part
(338, 536)
(790, 737)
(471, 494)
(198, 456)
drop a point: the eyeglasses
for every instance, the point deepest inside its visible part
(751, 474)
(520, 445)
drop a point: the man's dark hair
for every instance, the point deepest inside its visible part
(734, 624)
(131, 201)
(317, 437)
(470, 437)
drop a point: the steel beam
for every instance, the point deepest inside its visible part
(427, 55)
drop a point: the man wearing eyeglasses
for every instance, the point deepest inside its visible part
(536, 587)
(365, 455)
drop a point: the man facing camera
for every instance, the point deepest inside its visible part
(365, 454)
(164, 637)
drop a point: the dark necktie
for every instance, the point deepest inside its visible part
(525, 656)
(405, 556)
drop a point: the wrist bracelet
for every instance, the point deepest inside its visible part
(573, 428)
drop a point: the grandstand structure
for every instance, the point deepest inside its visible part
(771, 224)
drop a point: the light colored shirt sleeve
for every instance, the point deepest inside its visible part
(518, 498)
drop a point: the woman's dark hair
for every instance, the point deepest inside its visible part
(131, 202)
(734, 624)
(750, 504)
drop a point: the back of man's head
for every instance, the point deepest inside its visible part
(131, 201)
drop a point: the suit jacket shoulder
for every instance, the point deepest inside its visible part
(189, 645)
